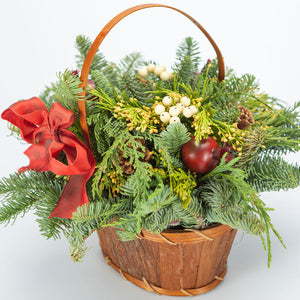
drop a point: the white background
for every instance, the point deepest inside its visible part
(37, 40)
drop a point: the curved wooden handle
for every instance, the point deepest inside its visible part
(97, 42)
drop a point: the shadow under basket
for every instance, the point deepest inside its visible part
(175, 262)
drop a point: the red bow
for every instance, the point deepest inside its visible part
(47, 133)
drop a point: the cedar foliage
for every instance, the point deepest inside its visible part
(162, 190)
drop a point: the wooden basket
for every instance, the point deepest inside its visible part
(176, 263)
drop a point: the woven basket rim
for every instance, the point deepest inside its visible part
(186, 236)
(183, 236)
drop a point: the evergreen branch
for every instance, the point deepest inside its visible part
(273, 174)
(189, 48)
(160, 198)
(20, 196)
(287, 117)
(24, 191)
(105, 101)
(236, 177)
(181, 183)
(187, 60)
(243, 85)
(187, 217)
(256, 143)
(51, 227)
(185, 70)
(107, 160)
(140, 182)
(102, 82)
(131, 62)
(174, 137)
(235, 217)
(134, 87)
(282, 139)
(75, 236)
(83, 45)
(223, 205)
(164, 212)
(127, 228)
(101, 138)
(67, 90)
(85, 221)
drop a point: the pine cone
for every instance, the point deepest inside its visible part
(246, 118)
(124, 162)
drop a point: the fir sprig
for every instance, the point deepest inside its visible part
(270, 173)
(83, 45)
(174, 137)
(221, 204)
(22, 192)
(248, 195)
(67, 90)
(188, 59)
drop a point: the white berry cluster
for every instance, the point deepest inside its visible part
(182, 106)
(159, 71)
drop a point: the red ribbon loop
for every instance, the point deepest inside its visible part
(48, 134)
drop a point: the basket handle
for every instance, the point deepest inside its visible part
(97, 42)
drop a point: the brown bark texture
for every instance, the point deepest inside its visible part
(173, 260)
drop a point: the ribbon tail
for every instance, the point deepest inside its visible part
(73, 196)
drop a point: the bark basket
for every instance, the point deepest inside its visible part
(175, 263)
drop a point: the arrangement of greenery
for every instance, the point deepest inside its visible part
(173, 149)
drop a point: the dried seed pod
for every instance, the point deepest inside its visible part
(246, 118)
